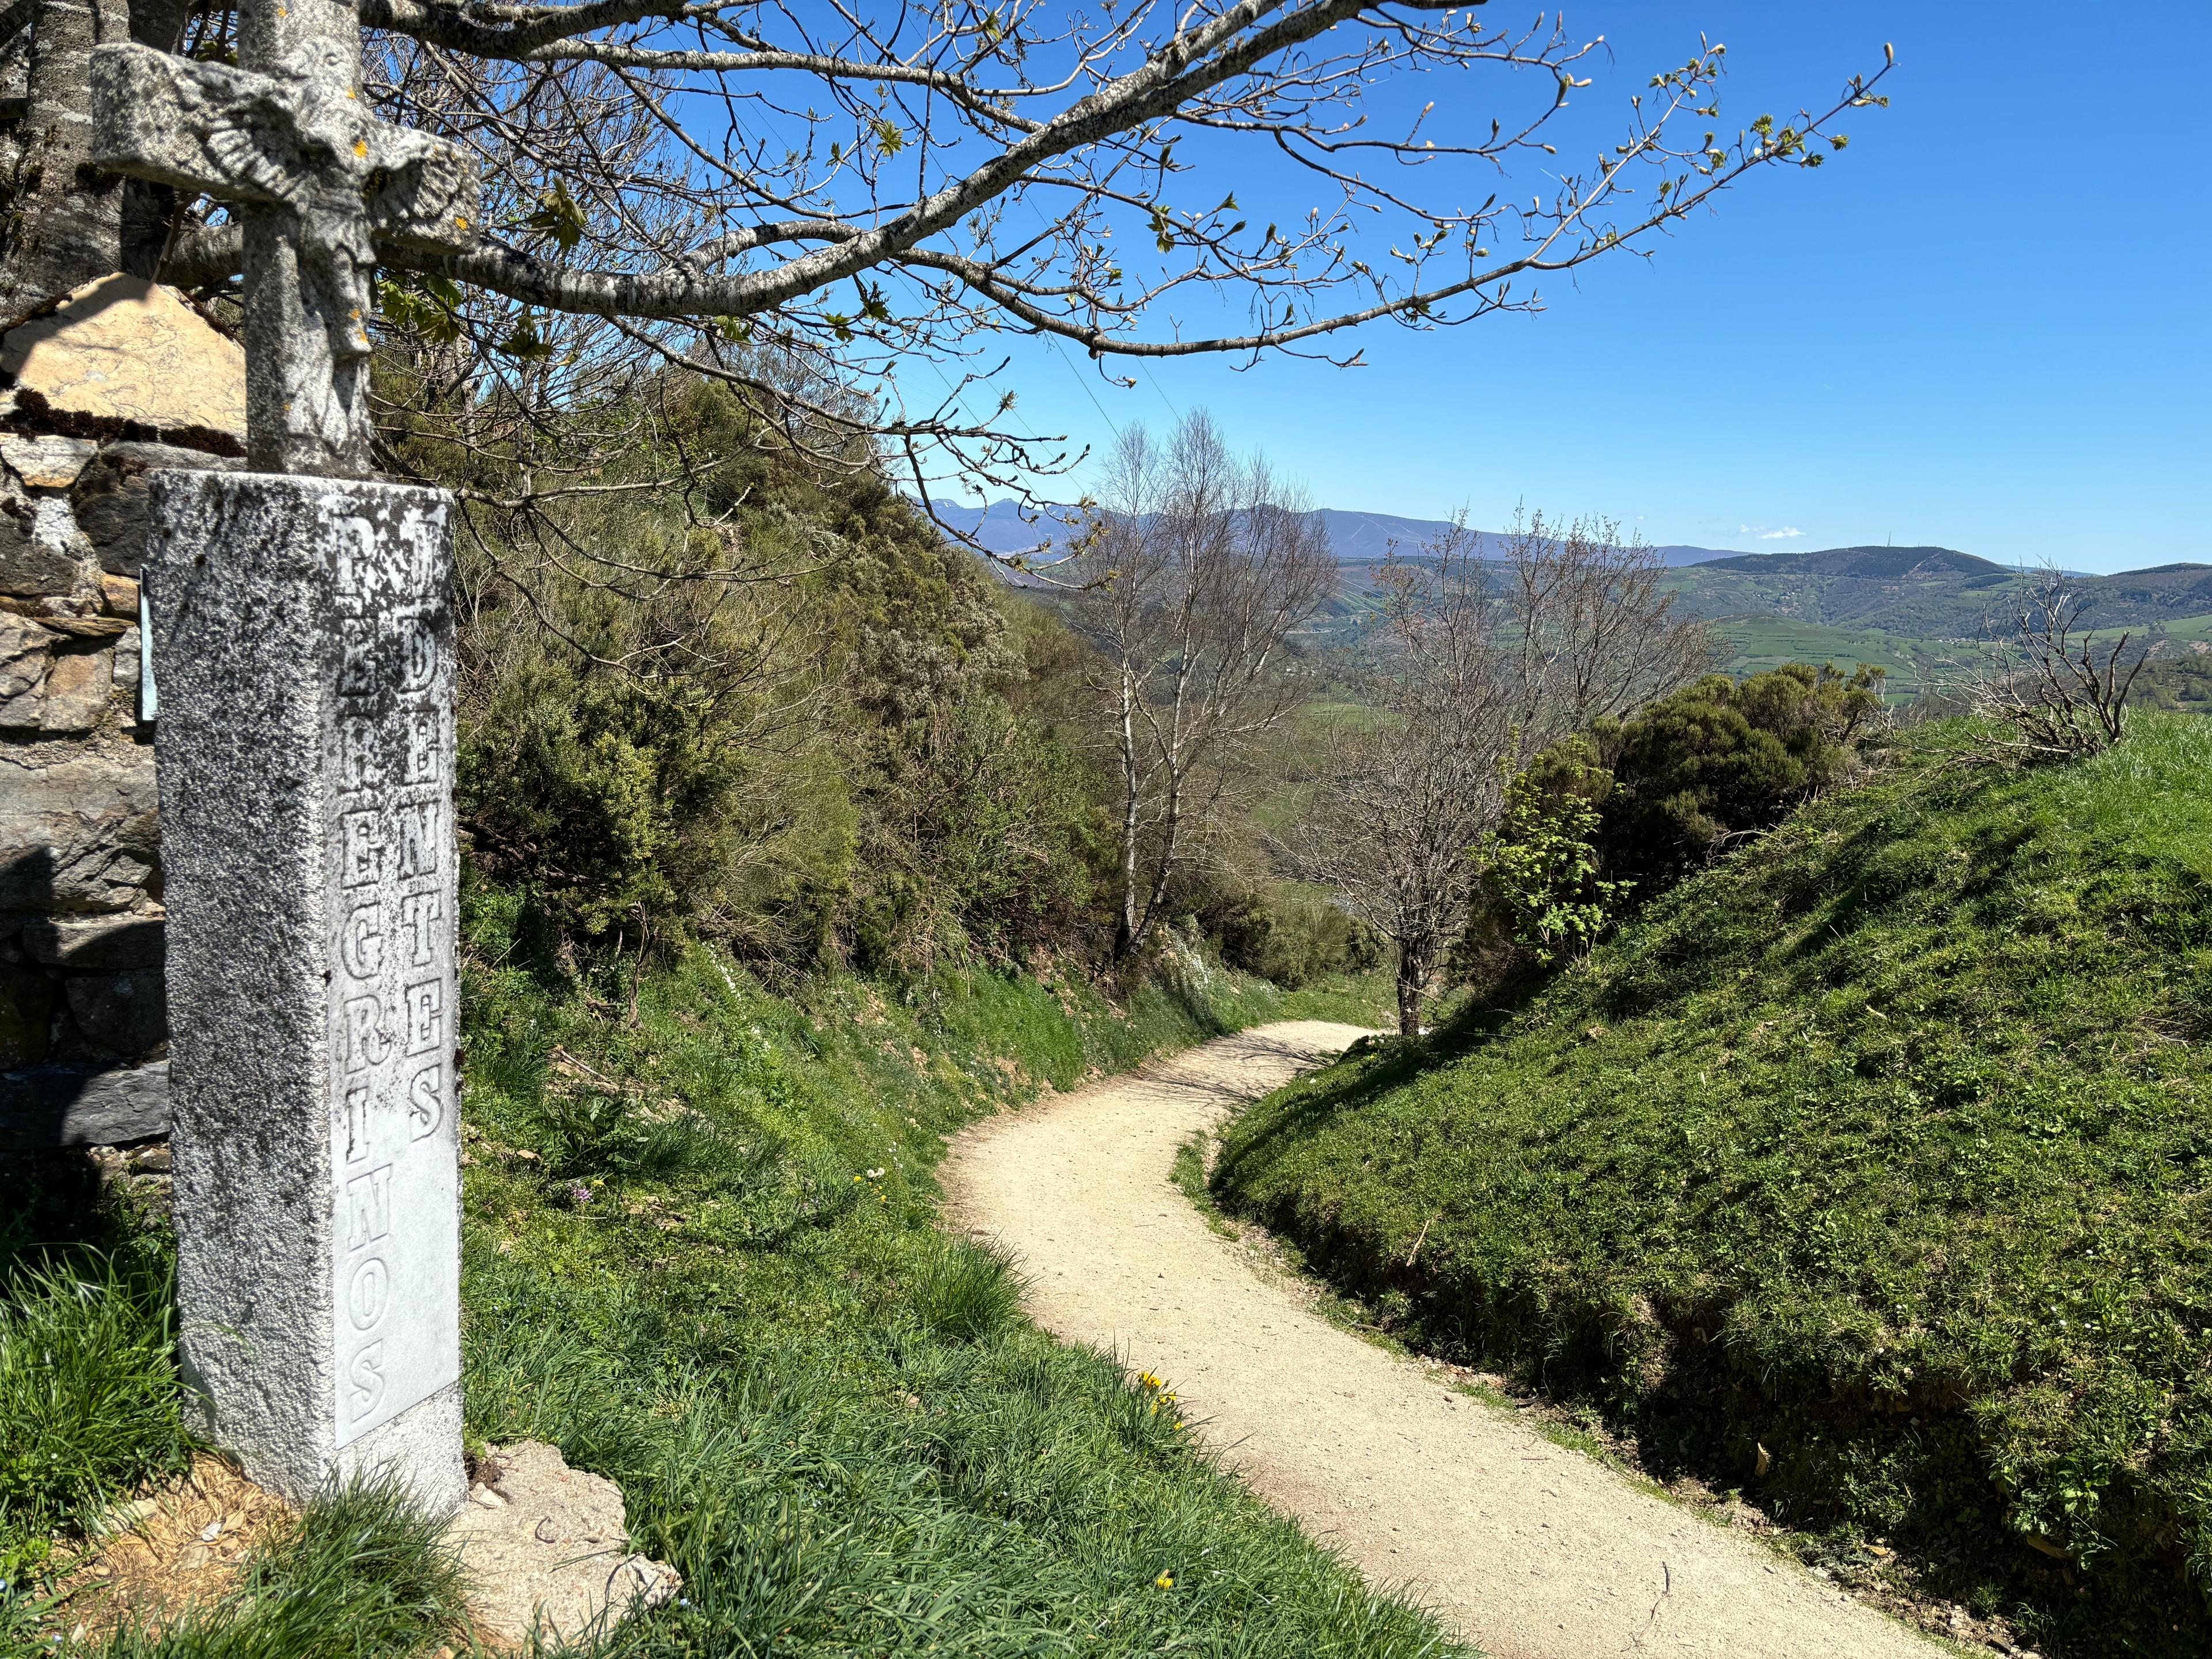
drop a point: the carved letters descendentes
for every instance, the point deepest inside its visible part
(392, 986)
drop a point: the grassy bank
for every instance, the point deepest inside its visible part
(1866, 1172)
(701, 1256)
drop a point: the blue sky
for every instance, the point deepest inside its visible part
(1985, 325)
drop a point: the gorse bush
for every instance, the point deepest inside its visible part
(1723, 758)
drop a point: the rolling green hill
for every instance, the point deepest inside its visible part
(1926, 592)
(1868, 1172)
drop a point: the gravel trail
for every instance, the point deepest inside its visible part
(1531, 1551)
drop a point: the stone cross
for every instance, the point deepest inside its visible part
(320, 184)
(302, 630)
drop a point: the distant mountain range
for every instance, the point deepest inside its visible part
(1354, 538)
(1926, 592)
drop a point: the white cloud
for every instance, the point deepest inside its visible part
(1786, 533)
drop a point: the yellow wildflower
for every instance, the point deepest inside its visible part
(1165, 1581)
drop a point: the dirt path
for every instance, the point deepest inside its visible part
(1529, 1550)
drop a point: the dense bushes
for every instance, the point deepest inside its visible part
(1723, 758)
(779, 714)
(784, 714)
(1606, 821)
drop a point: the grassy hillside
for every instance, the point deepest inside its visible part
(1885, 1145)
(701, 1256)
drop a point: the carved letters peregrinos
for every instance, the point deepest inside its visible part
(392, 985)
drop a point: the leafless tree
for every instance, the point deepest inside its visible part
(842, 209)
(1199, 568)
(1470, 667)
(2047, 682)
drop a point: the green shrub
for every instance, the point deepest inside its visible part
(1541, 901)
(1721, 758)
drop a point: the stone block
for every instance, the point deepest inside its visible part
(94, 943)
(33, 565)
(119, 596)
(26, 648)
(308, 835)
(126, 358)
(43, 1106)
(128, 651)
(121, 1014)
(110, 499)
(48, 462)
(73, 699)
(547, 1552)
(78, 831)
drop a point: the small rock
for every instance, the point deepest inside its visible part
(523, 1554)
(119, 594)
(193, 1557)
(485, 1497)
(47, 463)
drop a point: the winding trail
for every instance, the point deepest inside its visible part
(1531, 1551)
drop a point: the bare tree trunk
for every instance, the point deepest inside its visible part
(64, 217)
(1125, 940)
(1413, 964)
(1171, 825)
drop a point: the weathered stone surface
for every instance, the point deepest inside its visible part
(26, 648)
(118, 595)
(77, 828)
(94, 943)
(547, 1552)
(51, 462)
(110, 499)
(74, 696)
(123, 1015)
(128, 652)
(26, 1014)
(82, 1105)
(34, 564)
(306, 772)
(124, 357)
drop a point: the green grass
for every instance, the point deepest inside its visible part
(88, 1405)
(701, 1255)
(362, 1571)
(1886, 1144)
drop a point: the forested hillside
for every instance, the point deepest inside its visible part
(777, 710)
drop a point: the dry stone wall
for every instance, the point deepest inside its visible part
(124, 380)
